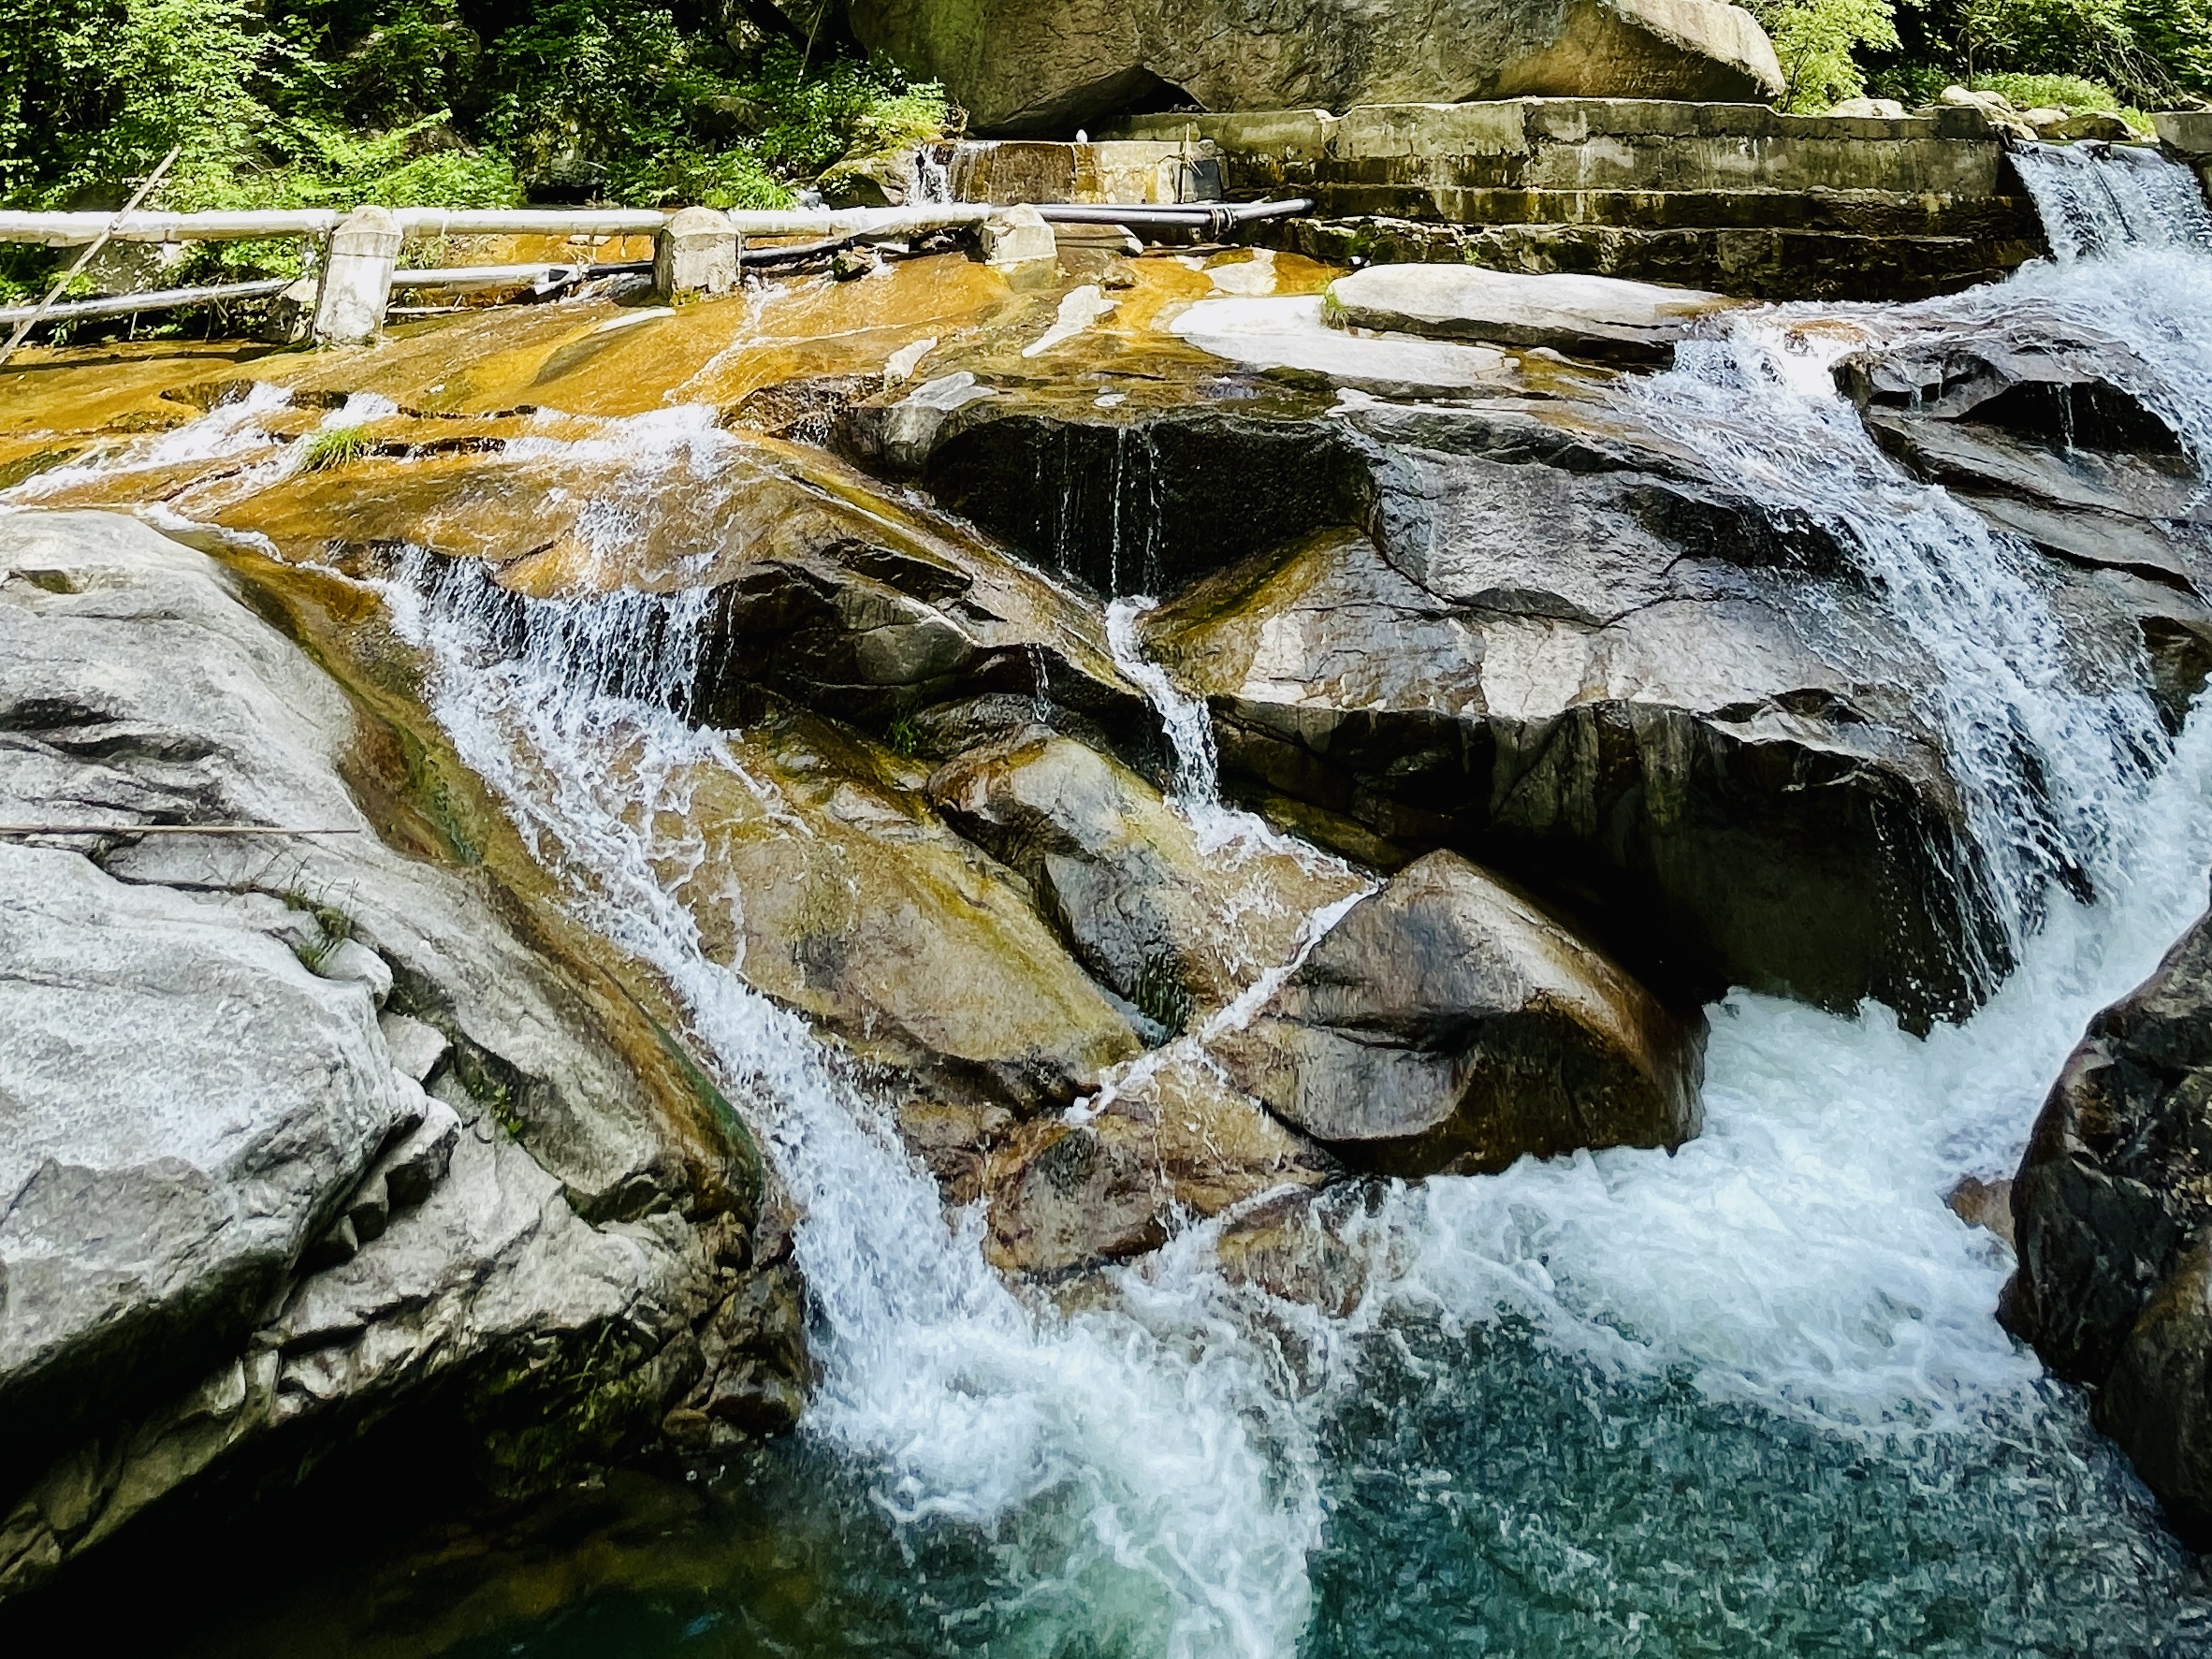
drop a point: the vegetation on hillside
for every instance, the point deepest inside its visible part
(455, 103)
(2082, 53)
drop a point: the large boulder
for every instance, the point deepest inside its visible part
(1448, 1024)
(296, 1132)
(1546, 678)
(2112, 1210)
(1020, 66)
(1567, 645)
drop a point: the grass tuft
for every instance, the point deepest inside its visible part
(328, 447)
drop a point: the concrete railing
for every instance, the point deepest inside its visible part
(695, 250)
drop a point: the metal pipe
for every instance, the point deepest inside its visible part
(1202, 215)
(486, 276)
(530, 221)
(61, 230)
(123, 305)
(68, 229)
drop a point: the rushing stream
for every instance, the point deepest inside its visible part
(1748, 1398)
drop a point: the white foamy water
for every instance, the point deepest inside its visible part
(235, 431)
(2101, 199)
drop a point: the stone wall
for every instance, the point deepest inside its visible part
(1733, 196)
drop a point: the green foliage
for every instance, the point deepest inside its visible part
(310, 103)
(326, 449)
(1161, 996)
(847, 108)
(1818, 42)
(2141, 52)
(2064, 92)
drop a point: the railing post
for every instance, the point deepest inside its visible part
(357, 278)
(696, 252)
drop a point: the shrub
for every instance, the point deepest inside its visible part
(1818, 40)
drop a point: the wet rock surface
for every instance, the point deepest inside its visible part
(1180, 1143)
(1171, 925)
(2030, 418)
(2111, 1208)
(1447, 1024)
(1651, 736)
(237, 1227)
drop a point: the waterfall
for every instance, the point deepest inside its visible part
(1150, 1460)
(1797, 1256)
(2111, 198)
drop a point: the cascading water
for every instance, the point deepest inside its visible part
(1126, 1451)
(2113, 199)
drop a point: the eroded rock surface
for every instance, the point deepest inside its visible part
(1020, 66)
(2112, 1210)
(1588, 316)
(1180, 1143)
(233, 1224)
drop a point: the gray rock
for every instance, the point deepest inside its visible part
(1447, 1024)
(181, 1106)
(2110, 1210)
(1570, 693)
(350, 959)
(416, 1048)
(1585, 316)
(227, 1208)
(1021, 66)
(411, 1171)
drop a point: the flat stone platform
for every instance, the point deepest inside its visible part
(1735, 197)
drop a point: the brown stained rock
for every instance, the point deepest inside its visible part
(1165, 923)
(1299, 1248)
(864, 911)
(819, 590)
(1181, 1143)
(1986, 1205)
(1448, 1024)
